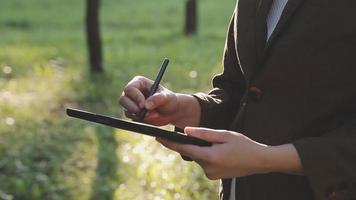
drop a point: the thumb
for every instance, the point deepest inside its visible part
(210, 135)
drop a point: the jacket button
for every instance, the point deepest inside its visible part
(255, 93)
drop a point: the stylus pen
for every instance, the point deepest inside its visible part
(154, 87)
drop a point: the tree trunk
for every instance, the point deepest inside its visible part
(191, 17)
(93, 36)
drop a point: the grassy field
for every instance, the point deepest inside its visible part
(44, 154)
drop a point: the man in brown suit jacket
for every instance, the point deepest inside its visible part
(282, 119)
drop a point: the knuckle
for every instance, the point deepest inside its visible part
(135, 81)
(127, 90)
(232, 133)
(139, 79)
(212, 158)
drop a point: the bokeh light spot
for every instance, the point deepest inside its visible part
(176, 196)
(126, 159)
(7, 69)
(193, 74)
(9, 121)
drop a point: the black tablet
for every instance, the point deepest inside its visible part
(136, 127)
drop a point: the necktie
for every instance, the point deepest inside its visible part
(263, 9)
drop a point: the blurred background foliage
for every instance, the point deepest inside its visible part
(43, 63)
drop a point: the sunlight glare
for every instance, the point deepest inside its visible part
(153, 184)
(139, 149)
(126, 159)
(171, 186)
(158, 198)
(176, 196)
(164, 176)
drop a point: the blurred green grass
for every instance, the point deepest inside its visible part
(45, 155)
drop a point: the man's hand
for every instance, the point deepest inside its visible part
(163, 107)
(235, 155)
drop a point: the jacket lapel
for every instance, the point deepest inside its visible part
(257, 64)
(288, 12)
(245, 37)
(245, 34)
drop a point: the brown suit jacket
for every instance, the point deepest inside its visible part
(301, 91)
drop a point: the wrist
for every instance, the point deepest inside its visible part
(188, 113)
(281, 159)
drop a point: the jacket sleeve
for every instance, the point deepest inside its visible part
(221, 104)
(329, 162)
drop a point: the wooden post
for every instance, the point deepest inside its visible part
(93, 36)
(190, 17)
